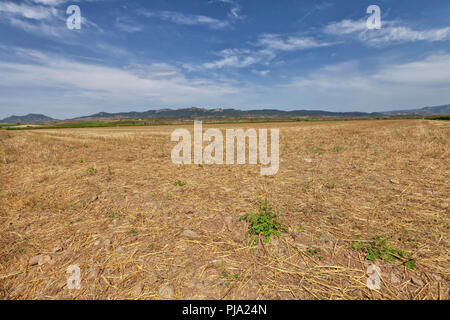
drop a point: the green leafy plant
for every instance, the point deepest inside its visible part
(264, 223)
(312, 251)
(337, 149)
(91, 171)
(179, 183)
(113, 214)
(228, 278)
(331, 184)
(410, 264)
(381, 248)
(318, 150)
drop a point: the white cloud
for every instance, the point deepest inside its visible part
(41, 18)
(432, 71)
(291, 43)
(127, 24)
(261, 72)
(423, 82)
(50, 2)
(235, 58)
(93, 84)
(37, 28)
(187, 19)
(27, 11)
(56, 85)
(345, 27)
(266, 50)
(235, 8)
(391, 32)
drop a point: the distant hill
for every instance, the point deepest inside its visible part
(427, 111)
(191, 113)
(219, 113)
(29, 118)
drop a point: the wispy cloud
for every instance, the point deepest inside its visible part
(80, 86)
(235, 8)
(50, 2)
(391, 32)
(128, 24)
(421, 82)
(187, 19)
(290, 43)
(237, 58)
(264, 50)
(35, 12)
(41, 18)
(155, 84)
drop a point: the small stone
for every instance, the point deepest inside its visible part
(137, 290)
(189, 233)
(394, 279)
(107, 243)
(416, 281)
(120, 249)
(166, 291)
(34, 261)
(237, 236)
(307, 160)
(394, 181)
(41, 259)
(437, 277)
(57, 248)
(93, 274)
(229, 222)
(94, 198)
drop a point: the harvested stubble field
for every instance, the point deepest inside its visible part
(105, 199)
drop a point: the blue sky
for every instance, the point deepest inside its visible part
(246, 54)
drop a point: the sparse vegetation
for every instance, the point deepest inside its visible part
(331, 184)
(179, 183)
(381, 248)
(113, 214)
(312, 251)
(337, 149)
(228, 277)
(265, 223)
(91, 171)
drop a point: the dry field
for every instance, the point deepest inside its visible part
(104, 199)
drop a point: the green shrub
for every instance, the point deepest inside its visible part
(264, 223)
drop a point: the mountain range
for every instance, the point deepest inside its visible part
(191, 113)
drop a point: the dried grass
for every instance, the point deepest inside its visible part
(124, 225)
